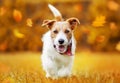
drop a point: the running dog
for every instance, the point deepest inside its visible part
(58, 45)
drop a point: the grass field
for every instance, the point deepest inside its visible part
(88, 68)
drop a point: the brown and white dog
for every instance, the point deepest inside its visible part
(58, 45)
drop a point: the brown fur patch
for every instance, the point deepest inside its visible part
(68, 34)
(53, 34)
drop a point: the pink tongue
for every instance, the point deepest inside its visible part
(68, 52)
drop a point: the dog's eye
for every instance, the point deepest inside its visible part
(55, 31)
(67, 31)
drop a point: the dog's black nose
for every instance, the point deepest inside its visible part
(61, 41)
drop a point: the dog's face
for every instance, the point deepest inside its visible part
(61, 32)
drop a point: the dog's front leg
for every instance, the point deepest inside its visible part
(51, 73)
(50, 67)
(65, 71)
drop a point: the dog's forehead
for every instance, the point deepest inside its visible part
(61, 24)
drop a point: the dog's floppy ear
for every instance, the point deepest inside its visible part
(48, 23)
(73, 22)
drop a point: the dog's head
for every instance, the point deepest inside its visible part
(61, 32)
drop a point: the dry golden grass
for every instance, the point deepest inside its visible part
(88, 68)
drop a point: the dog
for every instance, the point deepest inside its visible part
(58, 45)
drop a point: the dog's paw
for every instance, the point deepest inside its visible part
(64, 73)
(48, 75)
(54, 77)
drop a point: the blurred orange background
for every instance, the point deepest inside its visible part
(20, 23)
(97, 58)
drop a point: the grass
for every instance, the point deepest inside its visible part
(88, 68)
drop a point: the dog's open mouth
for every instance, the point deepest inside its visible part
(61, 48)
